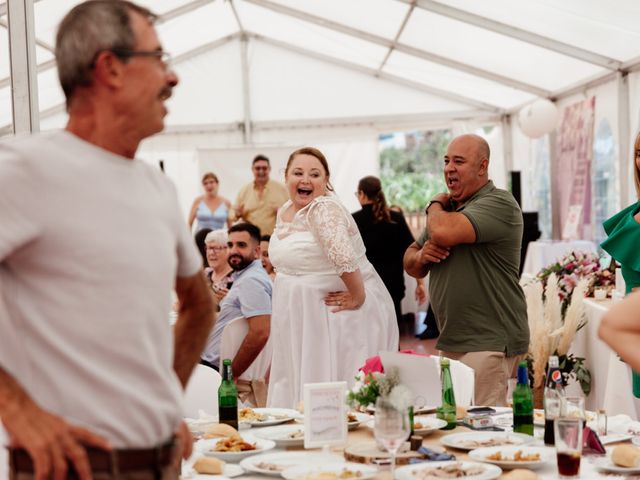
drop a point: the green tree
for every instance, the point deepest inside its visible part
(413, 175)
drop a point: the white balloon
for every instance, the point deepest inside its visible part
(538, 118)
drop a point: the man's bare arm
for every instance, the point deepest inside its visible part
(51, 442)
(448, 229)
(253, 343)
(195, 318)
(418, 260)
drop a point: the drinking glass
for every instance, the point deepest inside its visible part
(568, 433)
(573, 407)
(391, 428)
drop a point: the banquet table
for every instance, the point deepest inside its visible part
(365, 434)
(542, 253)
(611, 386)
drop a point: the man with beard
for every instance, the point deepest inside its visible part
(249, 297)
(91, 245)
(471, 248)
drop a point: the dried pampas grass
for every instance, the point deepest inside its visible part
(549, 333)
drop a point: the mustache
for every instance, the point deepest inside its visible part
(166, 92)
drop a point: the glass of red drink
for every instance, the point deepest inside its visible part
(568, 433)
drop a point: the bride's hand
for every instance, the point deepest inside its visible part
(342, 301)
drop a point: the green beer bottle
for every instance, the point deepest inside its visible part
(228, 397)
(447, 411)
(523, 402)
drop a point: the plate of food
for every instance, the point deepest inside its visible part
(354, 419)
(624, 459)
(417, 409)
(206, 467)
(538, 416)
(514, 456)
(423, 425)
(274, 463)
(283, 435)
(330, 471)
(234, 449)
(448, 469)
(265, 417)
(473, 440)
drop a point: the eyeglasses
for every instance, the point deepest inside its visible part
(217, 249)
(164, 57)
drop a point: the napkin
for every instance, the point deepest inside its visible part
(622, 424)
(431, 456)
(591, 442)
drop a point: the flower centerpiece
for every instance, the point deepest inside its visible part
(552, 329)
(370, 386)
(573, 267)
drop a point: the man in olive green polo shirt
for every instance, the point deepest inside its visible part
(471, 248)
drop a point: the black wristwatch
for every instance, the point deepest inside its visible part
(444, 207)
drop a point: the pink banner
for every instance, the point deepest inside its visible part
(572, 167)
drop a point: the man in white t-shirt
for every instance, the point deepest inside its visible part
(92, 242)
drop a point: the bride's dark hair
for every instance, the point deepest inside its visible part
(314, 152)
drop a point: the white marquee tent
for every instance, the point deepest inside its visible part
(271, 75)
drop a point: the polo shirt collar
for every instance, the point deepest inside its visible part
(483, 191)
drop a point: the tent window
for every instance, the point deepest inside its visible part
(542, 186)
(604, 185)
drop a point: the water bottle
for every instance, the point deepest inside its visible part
(228, 397)
(523, 402)
(447, 411)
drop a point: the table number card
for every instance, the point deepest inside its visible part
(325, 415)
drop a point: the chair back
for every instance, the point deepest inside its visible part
(202, 392)
(233, 335)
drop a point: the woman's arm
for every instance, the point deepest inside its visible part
(192, 213)
(353, 298)
(620, 329)
(229, 213)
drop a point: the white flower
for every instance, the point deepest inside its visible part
(400, 397)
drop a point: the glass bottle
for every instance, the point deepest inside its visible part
(228, 397)
(523, 402)
(447, 411)
(553, 394)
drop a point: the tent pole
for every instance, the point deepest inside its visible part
(22, 61)
(622, 83)
(244, 40)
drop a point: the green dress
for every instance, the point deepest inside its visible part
(623, 244)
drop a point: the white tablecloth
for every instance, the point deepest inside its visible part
(545, 252)
(611, 387)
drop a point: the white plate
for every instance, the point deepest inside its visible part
(508, 454)
(229, 470)
(429, 424)
(618, 437)
(206, 448)
(458, 440)
(414, 472)
(301, 472)
(416, 409)
(258, 463)
(273, 416)
(281, 435)
(360, 418)
(606, 465)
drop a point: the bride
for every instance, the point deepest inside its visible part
(330, 310)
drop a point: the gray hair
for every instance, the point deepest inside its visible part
(217, 236)
(88, 29)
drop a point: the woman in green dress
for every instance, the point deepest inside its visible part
(623, 242)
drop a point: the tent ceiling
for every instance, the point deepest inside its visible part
(274, 62)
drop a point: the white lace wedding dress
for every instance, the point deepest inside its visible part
(310, 343)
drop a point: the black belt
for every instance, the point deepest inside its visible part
(114, 461)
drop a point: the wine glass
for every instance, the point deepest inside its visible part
(392, 427)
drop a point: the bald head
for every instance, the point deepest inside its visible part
(466, 166)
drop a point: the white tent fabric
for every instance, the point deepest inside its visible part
(261, 74)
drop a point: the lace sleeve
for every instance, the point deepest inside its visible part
(328, 223)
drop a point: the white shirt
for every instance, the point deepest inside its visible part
(90, 245)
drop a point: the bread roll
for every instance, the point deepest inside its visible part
(209, 465)
(221, 430)
(520, 474)
(626, 455)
